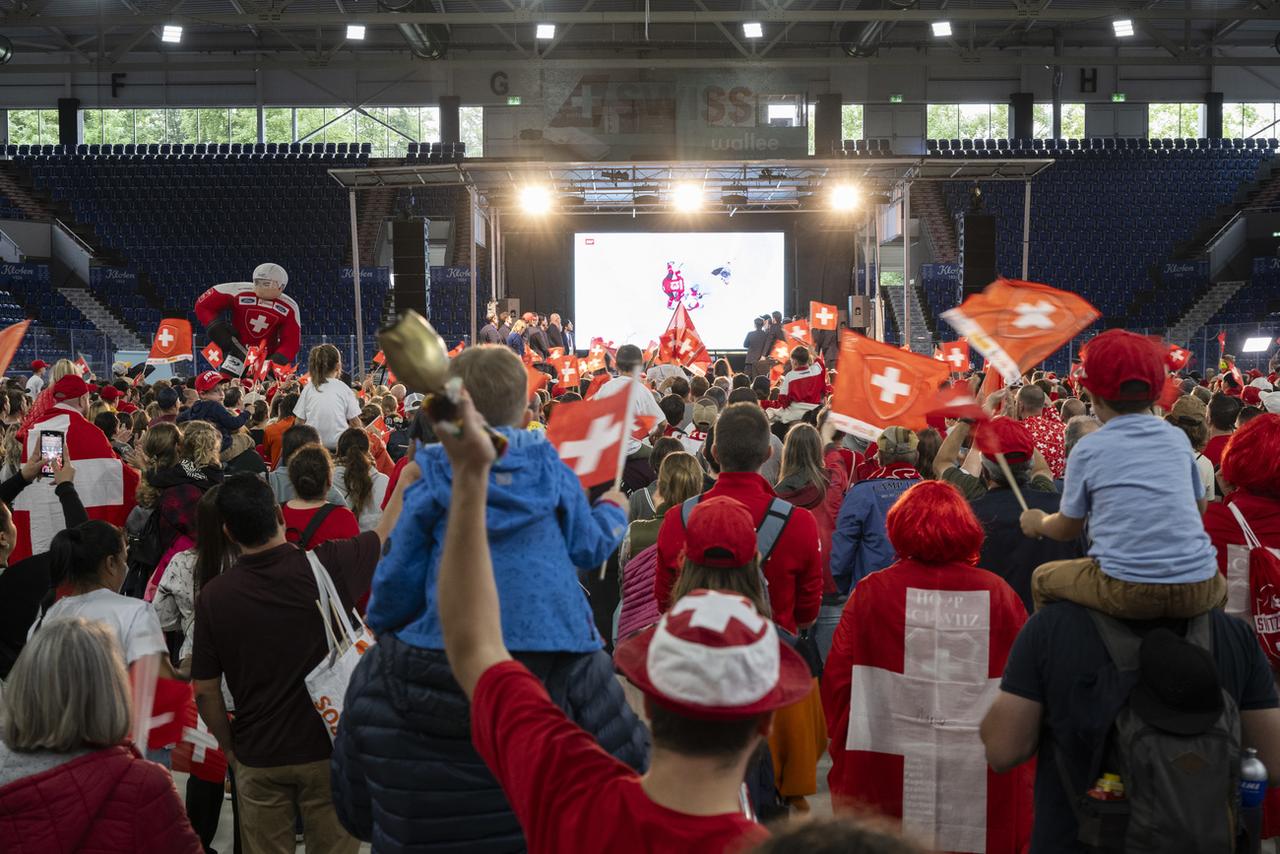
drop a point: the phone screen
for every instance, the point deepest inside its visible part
(50, 450)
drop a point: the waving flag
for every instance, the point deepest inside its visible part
(955, 354)
(798, 331)
(957, 402)
(681, 344)
(880, 385)
(10, 338)
(823, 316)
(588, 435)
(212, 354)
(781, 352)
(172, 342)
(1177, 357)
(1017, 324)
(82, 367)
(536, 380)
(283, 371)
(567, 373)
(462, 345)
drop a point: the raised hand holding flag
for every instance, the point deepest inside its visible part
(798, 331)
(880, 385)
(588, 435)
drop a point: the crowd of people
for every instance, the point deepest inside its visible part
(1057, 574)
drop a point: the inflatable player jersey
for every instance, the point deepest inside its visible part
(256, 319)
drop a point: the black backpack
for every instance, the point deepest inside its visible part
(1181, 793)
(143, 554)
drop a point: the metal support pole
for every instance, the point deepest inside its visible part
(1026, 229)
(493, 256)
(471, 191)
(355, 282)
(874, 289)
(906, 264)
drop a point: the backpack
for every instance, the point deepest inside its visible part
(144, 550)
(1181, 791)
(1253, 588)
(639, 605)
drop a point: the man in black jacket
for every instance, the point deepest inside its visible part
(757, 343)
(555, 334)
(489, 332)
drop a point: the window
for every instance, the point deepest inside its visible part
(1072, 121)
(149, 126)
(244, 125)
(851, 121)
(967, 121)
(1175, 120)
(1251, 120)
(471, 120)
(33, 127)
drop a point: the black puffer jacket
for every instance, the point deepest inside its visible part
(405, 775)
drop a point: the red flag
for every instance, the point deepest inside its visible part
(1177, 357)
(956, 355)
(776, 373)
(168, 711)
(594, 360)
(264, 365)
(919, 748)
(81, 365)
(197, 750)
(781, 352)
(567, 373)
(957, 402)
(379, 425)
(650, 351)
(880, 385)
(212, 354)
(462, 345)
(172, 342)
(1017, 324)
(596, 382)
(537, 380)
(643, 426)
(379, 358)
(10, 338)
(823, 316)
(283, 371)
(588, 435)
(555, 353)
(992, 382)
(798, 330)
(1171, 392)
(1222, 342)
(680, 344)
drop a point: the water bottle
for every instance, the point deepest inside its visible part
(1253, 790)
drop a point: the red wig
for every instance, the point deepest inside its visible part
(933, 523)
(1251, 460)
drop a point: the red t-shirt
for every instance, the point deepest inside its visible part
(568, 793)
(1214, 450)
(338, 525)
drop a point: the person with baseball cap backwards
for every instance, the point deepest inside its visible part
(260, 315)
(1136, 483)
(712, 670)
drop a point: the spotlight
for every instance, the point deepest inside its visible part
(1260, 344)
(753, 30)
(1123, 28)
(355, 32)
(879, 199)
(734, 197)
(535, 199)
(942, 29)
(546, 32)
(686, 197)
(172, 34)
(844, 197)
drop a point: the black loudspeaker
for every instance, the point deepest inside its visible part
(859, 312)
(1021, 121)
(69, 122)
(977, 239)
(1213, 115)
(450, 124)
(409, 265)
(826, 125)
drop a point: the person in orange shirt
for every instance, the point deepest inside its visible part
(273, 433)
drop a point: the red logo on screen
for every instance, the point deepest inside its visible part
(591, 241)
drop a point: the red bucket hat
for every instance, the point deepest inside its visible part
(720, 533)
(1116, 357)
(714, 657)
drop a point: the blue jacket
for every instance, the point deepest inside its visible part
(860, 544)
(217, 415)
(516, 342)
(541, 529)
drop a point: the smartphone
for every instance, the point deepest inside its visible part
(51, 449)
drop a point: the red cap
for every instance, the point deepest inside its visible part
(1116, 357)
(110, 393)
(1251, 395)
(1005, 436)
(720, 533)
(38, 365)
(714, 657)
(70, 387)
(208, 380)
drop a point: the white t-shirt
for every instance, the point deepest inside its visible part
(328, 408)
(1205, 468)
(134, 621)
(371, 514)
(35, 385)
(642, 403)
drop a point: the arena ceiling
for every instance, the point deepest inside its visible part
(126, 34)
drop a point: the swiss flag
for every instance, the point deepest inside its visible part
(1177, 357)
(588, 435)
(1170, 393)
(1222, 342)
(798, 331)
(781, 352)
(264, 364)
(283, 371)
(212, 354)
(168, 711)
(956, 355)
(81, 365)
(172, 342)
(379, 426)
(567, 375)
(957, 402)
(555, 353)
(379, 358)
(880, 385)
(10, 338)
(650, 351)
(823, 316)
(596, 382)
(1017, 324)
(197, 750)
(595, 359)
(536, 380)
(681, 344)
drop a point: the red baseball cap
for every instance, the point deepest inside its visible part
(1005, 436)
(720, 533)
(38, 365)
(1251, 395)
(714, 657)
(70, 387)
(208, 380)
(109, 393)
(1116, 357)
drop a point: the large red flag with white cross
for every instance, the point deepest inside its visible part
(823, 317)
(880, 385)
(914, 666)
(172, 342)
(589, 435)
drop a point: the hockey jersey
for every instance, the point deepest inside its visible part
(275, 323)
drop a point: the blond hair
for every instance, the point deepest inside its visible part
(497, 382)
(162, 447)
(201, 443)
(68, 689)
(63, 368)
(679, 478)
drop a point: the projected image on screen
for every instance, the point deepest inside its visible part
(627, 285)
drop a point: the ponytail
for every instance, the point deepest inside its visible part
(353, 454)
(76, 553)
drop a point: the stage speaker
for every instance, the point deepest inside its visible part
(450, 123)
(1213, 115)
(826, 125)
(409, 265)
(1021, 121)
(859, 313)
(977, 239)
(69, 122)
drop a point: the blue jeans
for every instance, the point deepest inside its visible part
(825, 629)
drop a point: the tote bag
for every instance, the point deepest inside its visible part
(347, 640)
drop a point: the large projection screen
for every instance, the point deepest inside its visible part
(627, 285)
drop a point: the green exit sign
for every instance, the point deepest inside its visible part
(1117, 97)
(513, 100)
(895, 99)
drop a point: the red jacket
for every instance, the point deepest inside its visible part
(807, 385)
(825, 507)
(793, 570)
(105, 802)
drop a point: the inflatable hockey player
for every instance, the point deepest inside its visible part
(260, 314)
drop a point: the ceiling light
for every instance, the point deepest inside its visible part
(355, 32)
(535, 199)
(686, 197)
(942, 29)
(753, 30)
(1259, 344)
(546, 32)
(172, 33)
(844, 197)
(1123, 28)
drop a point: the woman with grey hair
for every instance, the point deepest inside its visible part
(69, 779)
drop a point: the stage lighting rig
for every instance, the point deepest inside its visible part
(535, 199)
(844, 197)
(686, 197)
